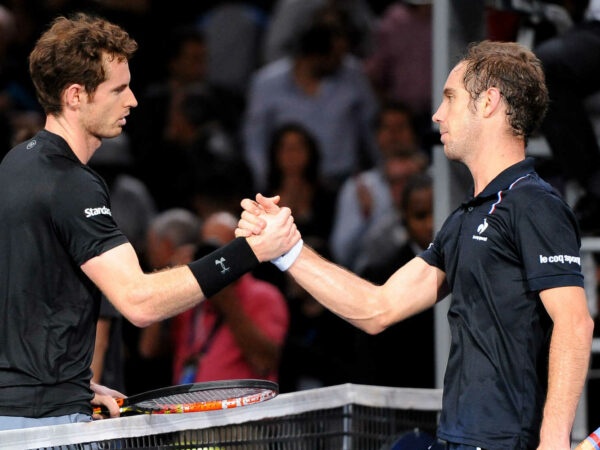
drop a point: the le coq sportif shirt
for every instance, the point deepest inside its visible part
(499, 250)
(54, 216)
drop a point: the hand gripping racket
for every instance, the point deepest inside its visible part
(592, 442)
(196, 397)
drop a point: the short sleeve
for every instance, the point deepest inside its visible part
(549, 242)
(82, 216)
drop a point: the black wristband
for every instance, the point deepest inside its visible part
(223, 266)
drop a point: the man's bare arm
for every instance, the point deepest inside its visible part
(144, 298)
(413, 288)
(570, 349)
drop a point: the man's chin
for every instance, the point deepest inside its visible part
(112, 133)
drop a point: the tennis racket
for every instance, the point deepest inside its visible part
(592, 442)
(196, 397)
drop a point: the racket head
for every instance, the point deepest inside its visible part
(204, 396)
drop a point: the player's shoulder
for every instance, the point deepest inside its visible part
(533, 188)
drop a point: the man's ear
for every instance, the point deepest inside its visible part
(492, 101)
(73, 95)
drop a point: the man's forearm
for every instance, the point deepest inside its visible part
(568, 366)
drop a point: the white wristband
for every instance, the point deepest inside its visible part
(284, 262)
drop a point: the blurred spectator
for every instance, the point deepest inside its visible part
(289, 18)
(172, 240)
(132, 205)
(380, 359)
(323, 88)
(319, 349)
(400, 66)
(132, 208)
(377, 241)
(366, 197)
(293, 174)
(572, 69)
(238, 332)
(182, 124)
(108, 363)
(234, 31)
(20, 114)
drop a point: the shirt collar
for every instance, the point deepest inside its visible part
(60, 145)
(502, 182)
(508, 177)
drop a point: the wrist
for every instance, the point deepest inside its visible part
(285, 261)
(223, 266)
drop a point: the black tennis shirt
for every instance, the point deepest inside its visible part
(499, 250)
(54, 216)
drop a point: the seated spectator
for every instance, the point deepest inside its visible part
(238, 332)
(183, 124)
(319, 348)
(294, 160)
(400, 65)
(322, 87)
(233, 31)
(571, 66)
(20, 113)
(376, 243)
(172, 240)
(364, 198)
(380, 360)
(293, 174)
(132, 208)
(290, 17)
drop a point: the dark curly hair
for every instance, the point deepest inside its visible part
(517, 73)
(71, 51)
(311, 172)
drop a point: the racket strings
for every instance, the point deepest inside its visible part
(197, 397)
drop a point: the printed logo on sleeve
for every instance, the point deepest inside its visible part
(91, 212)
(560, 259)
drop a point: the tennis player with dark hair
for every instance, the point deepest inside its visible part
(59, 245)
(509, 255)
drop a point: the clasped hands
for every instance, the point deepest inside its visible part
(269, 229)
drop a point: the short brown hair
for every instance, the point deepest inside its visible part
(517, 73)
(72, 51)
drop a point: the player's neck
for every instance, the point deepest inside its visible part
(489, 164)
(83, 146)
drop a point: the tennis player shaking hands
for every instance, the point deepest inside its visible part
(509, 255)
(59, 245)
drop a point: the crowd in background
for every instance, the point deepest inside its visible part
(325, 103)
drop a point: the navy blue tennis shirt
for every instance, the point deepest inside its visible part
(499, 250)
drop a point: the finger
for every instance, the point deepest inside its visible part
(269, 204)
(109, 402)
(253, 219)
(239, 232)
(275, 199)
(251, 227)
(284, 214)
(251, 206)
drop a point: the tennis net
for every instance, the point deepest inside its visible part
(344, 417)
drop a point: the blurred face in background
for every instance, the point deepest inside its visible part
(395, 135)
(293, 153)
(397, 172)
(418, 216)
(190, 65)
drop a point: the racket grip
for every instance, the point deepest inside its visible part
(592, 442)
(104, 410)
